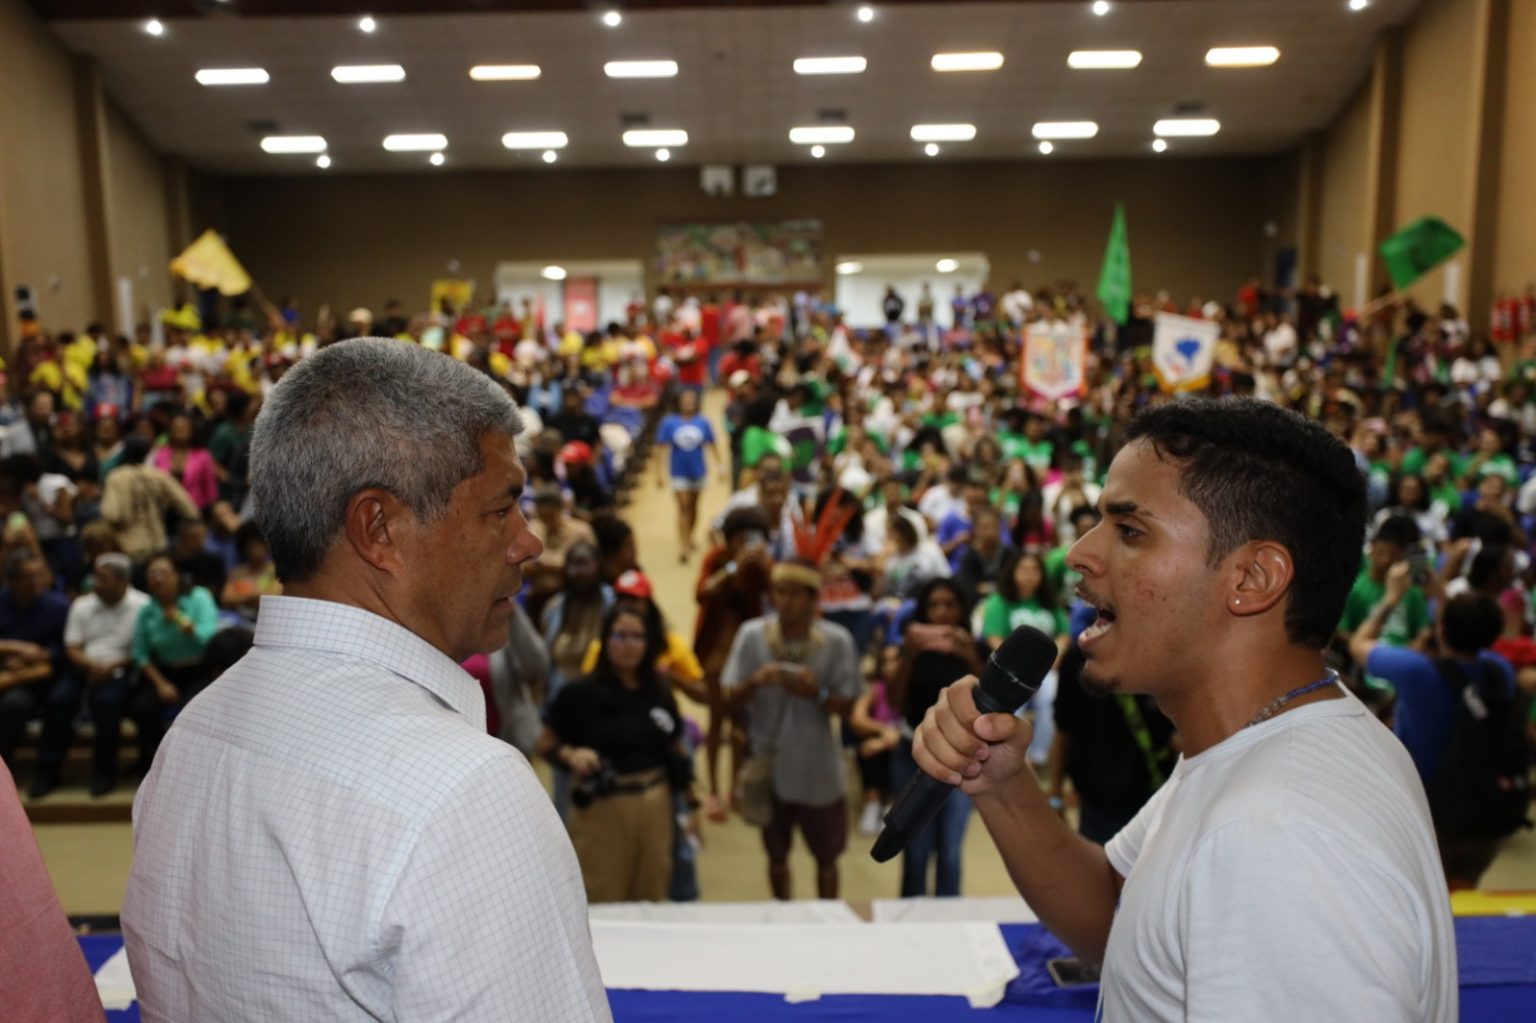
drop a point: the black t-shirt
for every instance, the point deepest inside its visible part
(931, 672)
(632, 731)
(1105, 763)
(579, 425)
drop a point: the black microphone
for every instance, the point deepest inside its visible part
(1012, 675)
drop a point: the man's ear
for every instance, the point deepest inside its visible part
(1262, 573)
(376, 524)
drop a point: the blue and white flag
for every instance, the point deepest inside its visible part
(1183, 351)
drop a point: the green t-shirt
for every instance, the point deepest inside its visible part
(1499, 465)
(1415, 459)
(840, 441)
(1037, 455)
(1000, 617)
(1402, 626)
(1063, 580)
(757, 442)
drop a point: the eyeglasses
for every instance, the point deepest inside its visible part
(627, 637)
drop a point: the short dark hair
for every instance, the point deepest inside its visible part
(744, 520)
(1471, 622)
(1257, 471)
(1399, 530)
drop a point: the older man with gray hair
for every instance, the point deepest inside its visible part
(328, 832)
(98, 640)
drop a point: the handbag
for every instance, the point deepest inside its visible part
(754, 798)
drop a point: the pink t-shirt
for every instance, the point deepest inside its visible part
(43, 975)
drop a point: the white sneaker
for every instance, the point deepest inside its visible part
(869, 820)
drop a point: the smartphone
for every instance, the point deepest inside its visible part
(1418, 565)
(1072, 972)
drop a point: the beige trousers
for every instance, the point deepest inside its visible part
(624, 845)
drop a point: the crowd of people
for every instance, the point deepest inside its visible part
(901, 503)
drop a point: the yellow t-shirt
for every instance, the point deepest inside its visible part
(679, 659)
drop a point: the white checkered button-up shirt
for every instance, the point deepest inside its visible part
(328, 833)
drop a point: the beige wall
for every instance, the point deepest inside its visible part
(1196, 226)
(136, 200)
(1342, 215)
(1515, 237)
(43, 224)
(1437, 135)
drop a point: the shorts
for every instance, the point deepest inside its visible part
(685, 485)
(825, 829)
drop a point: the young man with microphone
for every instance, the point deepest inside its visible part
(1287, 870)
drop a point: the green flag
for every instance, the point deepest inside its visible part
(1115, 276)
(1419, 248)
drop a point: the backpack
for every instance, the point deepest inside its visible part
(1481, 788)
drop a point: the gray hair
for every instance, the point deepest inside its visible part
(371, 412)
(119, 565)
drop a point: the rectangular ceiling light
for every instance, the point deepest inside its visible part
(1186, 127)
(355, 74)
(1241, 56)
(293, 144)
(644, 138)
(535, 140)
(943, 132)
(848, 267)
(233, 76)
(830, 65)
(1065, 130)
(640, 68)
(1100, 60)
(821, 134)
(426, 142)
(989, 61)
(504, 72)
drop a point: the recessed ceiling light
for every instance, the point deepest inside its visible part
(323, 161)
(988, 61)
(1101, 7)
(367, 24)
(866, 14)
(1186, 127)
(355, 74)
(420, 143)
(504, 72)
(663, 155)
(1359, 5)
(1065, 130)
(154, 27)
(535, 140)
(932, 149)
(613, 19)
(1241, 56)
(550, 156)
(947, 266)
(232, 76)
(436, 159)
(1159, 146)
(553, 273)
(943, 132)
(1046, 149)
(293, 144)
(829, 134)
(640, 68)
(817, 152)
(1097, 60)
(830, 65)
(849, 266)
(641, 138)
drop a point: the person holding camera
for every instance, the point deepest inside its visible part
(619, 734)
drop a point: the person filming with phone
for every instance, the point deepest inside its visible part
(1287, 869)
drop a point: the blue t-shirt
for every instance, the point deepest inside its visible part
(687, 438)
(950, 526)
(41, 622)
(1426, 713)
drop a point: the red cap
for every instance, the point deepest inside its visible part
(633, 584)
(576, 452)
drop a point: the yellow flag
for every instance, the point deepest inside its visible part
(208, 263)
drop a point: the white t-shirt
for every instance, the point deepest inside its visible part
(1288, 873)
(103, 632)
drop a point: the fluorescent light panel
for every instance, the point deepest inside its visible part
(640, 68)
(1100, 60)
(830, 65)
(293, 144)
(535, 140)
(988, 61)
(357, 74)
(947, 266)
(553, 273)
(1065, 130)
(1241, 56)
(420, 143)
(824, 134)
(849, 266)
(233, 76)
(1186, 127)
(643, 138)
(504, 72)
(943, 132)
